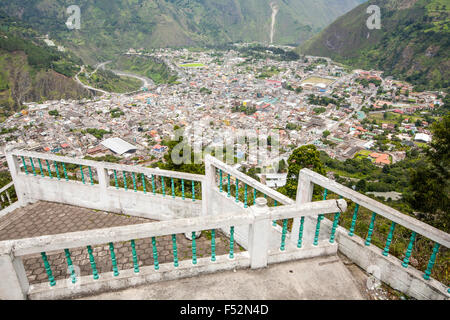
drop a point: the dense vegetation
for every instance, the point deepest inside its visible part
(412, 44)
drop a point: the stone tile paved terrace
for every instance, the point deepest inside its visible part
(124, 227)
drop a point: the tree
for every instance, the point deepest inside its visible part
(429, 181)
(361, 185)
(326, 133)
(304, 157)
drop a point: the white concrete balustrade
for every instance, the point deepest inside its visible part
(253, 228)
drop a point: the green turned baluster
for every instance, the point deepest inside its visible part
(71, 268)
(369, 233)
(175, 251)
(32, 166)
(229, 186)
(57, 170)
(113, 259)
(300, 232)
(143, 183)
(254, 196)
(82, 174)
(237, 190)
(115, 179)
(49, 170)
(231, 242)
(335, 224)
(430, 266)
(355, 215)
(193, 190)
(389, 239)
(24, 165)
(153, 184)
(194, 249)
(162, 184)
(48, 269)
(283, 235)
(155, 253)
(220, 181)
(40, 167)
(320, 217)
(245, 196)
(134, 181)
(213, 245)
(92, 261)
(124, 180)
(65, 171)
(409, 250)
(135, 258)
(173, 187)
(182, 189)
(90, 176)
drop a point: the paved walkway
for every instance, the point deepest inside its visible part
(46, 218)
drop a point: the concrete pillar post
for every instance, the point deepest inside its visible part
(14, 169)
(103, 180)
(14, 284)
(304, 195)
(207, 187)
(258, 238)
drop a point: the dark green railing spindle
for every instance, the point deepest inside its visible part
(389, 239)
(82, 174)
(231, 242)
(283, 235)
(194, 248)
(369, 233)
(153, 184)
(135, 258)
(155, 253)
(48, 269)
(125, 180)
(213, 245)
(254, 196)
(71, 268)
(134, 181)
(116, 181)
(143, 183)
(182, 189)
(162, 185)
(229, 186)
(245, 196)
(90, 175)
(355, 216)
(40, 167)
(32, 166)
(237, 190)
(65, 171)
(113, 259)
(335, 224)
(172, 183)
(49, 170)
(320, 217)
(300, 232)
(431, 262)
(24, 165)
(220, 181)
(57, 170)
(175, 251)
(193, 190)
(409, 250)
(92, 261)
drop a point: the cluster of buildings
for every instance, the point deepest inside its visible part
(212, 90)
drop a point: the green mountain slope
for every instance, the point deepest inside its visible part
(109, 27)
(413, 42)
(32, 71)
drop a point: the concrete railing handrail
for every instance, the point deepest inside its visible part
(6, 187)
(411, 223)
(249, 181)
(77, 239)
(108, 165)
